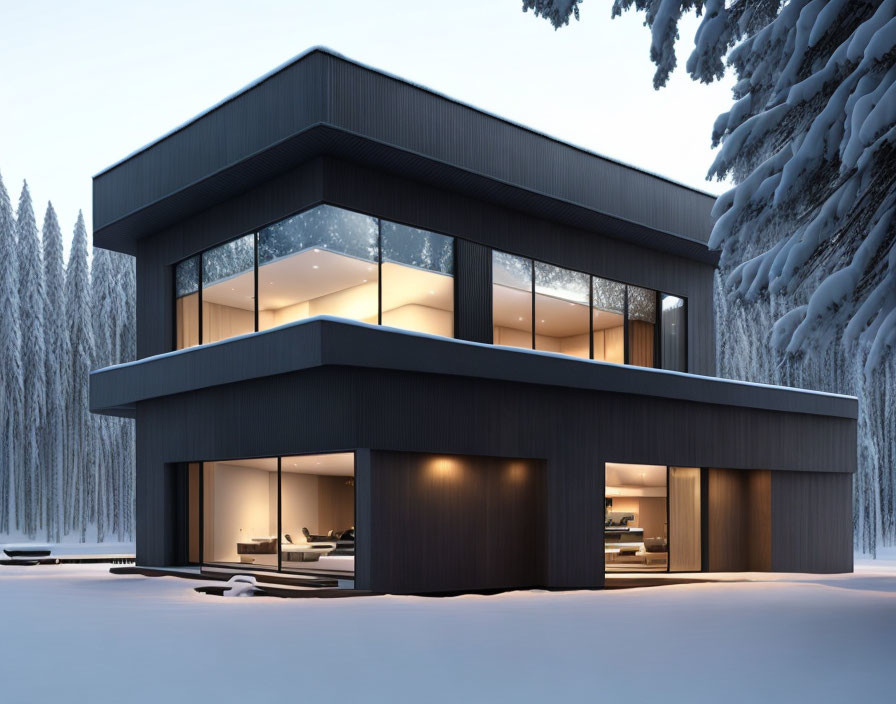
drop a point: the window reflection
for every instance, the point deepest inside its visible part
(674, 333)
(418, 280)
(607, 318)
(320, 262)
(561, 310)
(511, 300)
(228, 290)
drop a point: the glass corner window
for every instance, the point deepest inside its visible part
(186, 294)
(228, 290)
(323, 261)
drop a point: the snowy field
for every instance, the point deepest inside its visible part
(77, 633)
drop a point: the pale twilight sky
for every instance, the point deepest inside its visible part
(86, 82)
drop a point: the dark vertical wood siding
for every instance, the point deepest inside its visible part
(452, 523)
(394, 198)
(473, 291)
(257, 132)
(573, 431)
(811, 522)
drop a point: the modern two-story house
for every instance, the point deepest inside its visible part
(388, 336)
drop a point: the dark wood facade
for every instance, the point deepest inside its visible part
(325, 130)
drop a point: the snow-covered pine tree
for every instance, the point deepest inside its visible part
(57, 355)
(78, 484)
(811, 144)
(28, 486)
(106, 312)
(10, 360)
(807, 234)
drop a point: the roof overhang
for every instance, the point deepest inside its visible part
(326, 341)
(324, 104)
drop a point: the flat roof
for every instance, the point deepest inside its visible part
(321, 102)
(332, 52)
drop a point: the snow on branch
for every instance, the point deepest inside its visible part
(810, 143)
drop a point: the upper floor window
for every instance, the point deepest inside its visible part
(545, 307)
(324, 261)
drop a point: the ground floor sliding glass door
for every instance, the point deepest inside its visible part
(652, 518)
(289, 513)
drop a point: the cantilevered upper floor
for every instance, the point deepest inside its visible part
(330, 188)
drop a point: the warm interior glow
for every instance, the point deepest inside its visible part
(418, 299)
(316, 492)
(637, 493)
(561, 326)
(316, 282)
(512, 316)
(187, 321)
(228, 307)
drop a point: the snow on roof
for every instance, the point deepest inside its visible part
(332, 52)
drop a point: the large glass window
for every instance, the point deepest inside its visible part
(673, 328)
(418, 280)
(540, 305)
(228, 290)
(324, 261)
(317, 495)
(641, 326)
(320, 262)
(314, 529)
(636, 531)
(608, 321)
(186, 294)
(512, 300)
(239, 500)
(561, 310)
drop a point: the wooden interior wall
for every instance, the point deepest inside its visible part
(451, 522)
(640, 343)
(738, 535)
(684, 519)
(335, 408)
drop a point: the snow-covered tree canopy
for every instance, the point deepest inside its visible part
(810, 144)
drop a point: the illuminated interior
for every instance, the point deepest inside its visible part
(324, 261)
(545, 307)
(561, 310)
(228, 290)
(608, 323)
(511, 300)
(317, 513)
(652, 518)
(635, 521)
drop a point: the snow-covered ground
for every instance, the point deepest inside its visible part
(78, 633)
